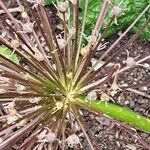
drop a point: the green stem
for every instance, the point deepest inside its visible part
(81, 36)
(118, 112)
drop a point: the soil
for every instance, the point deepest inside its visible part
(107, 135)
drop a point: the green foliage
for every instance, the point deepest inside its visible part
(131, 9)
(48, 2)
(8, 53)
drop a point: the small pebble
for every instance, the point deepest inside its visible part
(126, 102)
(102, 121)
(146, 65)
(131, 147)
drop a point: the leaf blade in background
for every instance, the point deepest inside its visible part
(8, 53)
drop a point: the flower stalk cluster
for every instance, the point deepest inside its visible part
(42, 97)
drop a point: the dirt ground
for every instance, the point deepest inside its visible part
(110, 137)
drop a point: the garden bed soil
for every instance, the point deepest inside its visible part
(107, 135)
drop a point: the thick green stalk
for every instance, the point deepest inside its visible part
(118, 112)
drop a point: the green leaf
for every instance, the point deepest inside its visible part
(119, 113)
(8, 53)
(48, 2)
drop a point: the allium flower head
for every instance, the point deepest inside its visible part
(43, 97)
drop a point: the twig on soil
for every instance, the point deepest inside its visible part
(135, 135)
(131, 131)
(138, 92)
